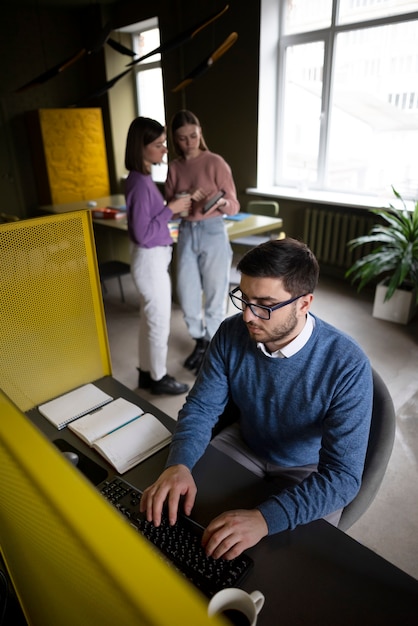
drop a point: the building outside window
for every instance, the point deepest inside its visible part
(338, 108)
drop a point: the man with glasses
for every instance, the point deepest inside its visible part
(303, 390)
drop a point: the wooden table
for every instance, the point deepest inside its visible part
(112, 241)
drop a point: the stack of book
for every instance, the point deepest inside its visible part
(108, 213)
(119, 430)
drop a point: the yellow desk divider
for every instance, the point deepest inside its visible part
(53, 335)
(72, 558)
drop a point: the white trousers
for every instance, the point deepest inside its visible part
(150, 272)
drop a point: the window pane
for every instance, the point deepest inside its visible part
(151, 104)
(361, 10)
(150, 94)
(374, 118)
(146, 42)
(299, 139)
(306, 15)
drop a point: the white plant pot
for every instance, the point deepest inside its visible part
(401, 307)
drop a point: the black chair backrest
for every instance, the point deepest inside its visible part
(379, 449)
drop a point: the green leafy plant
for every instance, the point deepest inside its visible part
(396, 256)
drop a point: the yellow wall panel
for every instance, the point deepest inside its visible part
(73, 153)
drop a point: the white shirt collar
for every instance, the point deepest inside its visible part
(295, 345)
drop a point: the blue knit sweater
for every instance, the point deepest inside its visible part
(314, 407)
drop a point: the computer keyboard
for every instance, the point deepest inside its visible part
(180, 544)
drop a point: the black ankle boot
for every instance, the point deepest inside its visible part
(168, 385)
(194, 360)
(144, 379)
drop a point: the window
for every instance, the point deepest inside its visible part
(148, 78)
(338, 105)
(149, 81)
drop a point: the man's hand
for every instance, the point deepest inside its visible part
(174, 482)
(232, 532)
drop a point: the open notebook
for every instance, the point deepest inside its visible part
(122, 433)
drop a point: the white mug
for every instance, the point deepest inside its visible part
(233, 603)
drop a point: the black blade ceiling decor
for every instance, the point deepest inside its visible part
(205, 65)
(120, 48)
(104, 38)
(95, 46)
(183, 37)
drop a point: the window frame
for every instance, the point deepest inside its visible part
(159, 172)
(273, 46)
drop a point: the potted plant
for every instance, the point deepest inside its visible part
(395, 259)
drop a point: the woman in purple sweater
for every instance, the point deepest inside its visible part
(151, 251)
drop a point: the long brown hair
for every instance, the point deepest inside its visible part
(180, 119)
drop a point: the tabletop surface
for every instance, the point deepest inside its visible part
(315, 574)
(247, 226)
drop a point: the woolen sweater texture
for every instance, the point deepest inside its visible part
(208, 172)
(314, 407)
(147, 213)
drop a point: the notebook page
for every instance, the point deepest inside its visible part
(131, 444)
(104, 420)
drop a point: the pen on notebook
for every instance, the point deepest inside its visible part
(124, 424)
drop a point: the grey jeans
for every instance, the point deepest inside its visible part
(230, 442)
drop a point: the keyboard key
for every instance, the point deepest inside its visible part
(180, 544)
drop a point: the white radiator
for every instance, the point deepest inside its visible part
(327, 233)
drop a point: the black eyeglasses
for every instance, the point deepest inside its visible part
(259, 310)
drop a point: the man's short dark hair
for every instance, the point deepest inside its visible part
(288, 259)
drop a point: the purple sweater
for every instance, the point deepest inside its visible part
(148, 216)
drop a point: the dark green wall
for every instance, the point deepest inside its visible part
(33, 40)
(225, 98)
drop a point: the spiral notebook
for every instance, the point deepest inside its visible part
(74, 404)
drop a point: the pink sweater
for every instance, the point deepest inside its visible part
(209, 172)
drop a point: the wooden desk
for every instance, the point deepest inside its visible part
(112, 240)
(313, 575)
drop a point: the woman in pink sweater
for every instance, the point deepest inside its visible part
(204, 251)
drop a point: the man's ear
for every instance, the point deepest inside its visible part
(305, 303)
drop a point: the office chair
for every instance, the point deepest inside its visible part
(114, 269)
(269, 208)
(379, 449)
(263, 207)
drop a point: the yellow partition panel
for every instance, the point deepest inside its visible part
(73, 559)
(53, 334)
